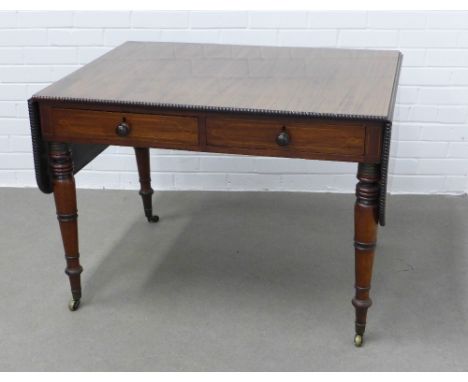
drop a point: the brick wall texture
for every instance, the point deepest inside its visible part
(429, 144)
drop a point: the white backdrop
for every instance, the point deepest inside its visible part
(429, 148)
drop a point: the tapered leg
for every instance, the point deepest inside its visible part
(65, 201)
(365, 237)
(146, 192)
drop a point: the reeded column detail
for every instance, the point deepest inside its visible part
(61, 166)
(365, 239)
(146, 192)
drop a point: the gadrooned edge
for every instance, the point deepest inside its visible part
(40, 163)
(204, 108)
(386, 141)
(387, 133)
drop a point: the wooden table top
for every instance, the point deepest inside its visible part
(300, 81)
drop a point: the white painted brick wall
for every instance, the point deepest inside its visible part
(430, 140)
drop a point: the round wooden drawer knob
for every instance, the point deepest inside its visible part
(122, 129)
(283, 138)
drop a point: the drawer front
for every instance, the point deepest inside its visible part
(103, 127)
(299, 139)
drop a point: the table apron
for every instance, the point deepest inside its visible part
(336, 140)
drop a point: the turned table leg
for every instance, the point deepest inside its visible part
(61, 166)
(365, 237)
(146, 192)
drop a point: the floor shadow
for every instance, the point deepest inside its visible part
(249, 266)
(421, 268)
(230, 241)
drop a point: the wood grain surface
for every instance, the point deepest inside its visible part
(100, 126)
(252, 78)
(309, 137)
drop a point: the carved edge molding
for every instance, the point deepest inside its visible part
(204, 108)
(387, 132)
(386, 141)
(43, 179)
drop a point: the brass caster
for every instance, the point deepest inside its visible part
(153, 219)
(73, 305)
(358, 340)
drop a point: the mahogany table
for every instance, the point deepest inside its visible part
(311, 103)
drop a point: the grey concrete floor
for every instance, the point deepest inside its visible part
(231, 281)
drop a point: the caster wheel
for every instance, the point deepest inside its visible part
(153, 219)
(358, 340)
(73, 305)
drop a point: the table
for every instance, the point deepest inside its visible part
(310, 103)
